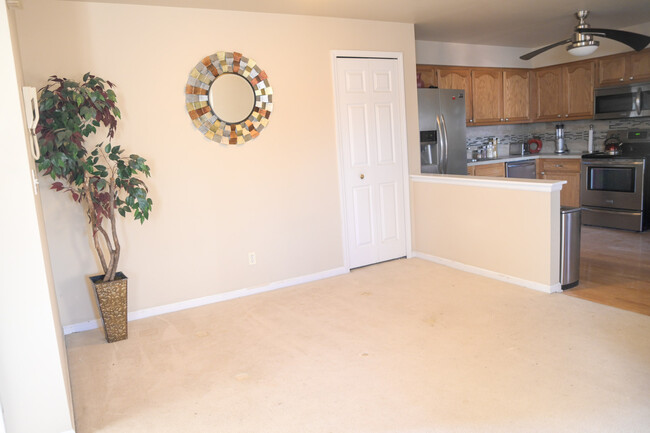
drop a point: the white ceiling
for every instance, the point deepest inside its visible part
(514, 23)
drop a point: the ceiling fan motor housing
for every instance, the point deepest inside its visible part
(582, 40)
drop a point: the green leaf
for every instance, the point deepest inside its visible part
(101, 184)
(107, 149)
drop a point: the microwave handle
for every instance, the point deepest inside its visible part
(637, 102)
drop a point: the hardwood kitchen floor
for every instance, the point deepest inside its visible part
(615, 269)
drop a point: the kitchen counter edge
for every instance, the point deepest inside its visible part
(512, 158)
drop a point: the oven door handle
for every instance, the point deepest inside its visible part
(612, 163)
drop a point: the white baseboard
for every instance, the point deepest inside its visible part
(552, 288)
(219, 297)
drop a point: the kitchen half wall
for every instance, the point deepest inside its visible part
(276, 196)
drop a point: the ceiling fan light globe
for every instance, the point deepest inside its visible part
(583, 48)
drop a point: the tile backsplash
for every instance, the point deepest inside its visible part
(576, 133)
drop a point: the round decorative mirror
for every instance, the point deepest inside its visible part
(228, 98)
(232, 98)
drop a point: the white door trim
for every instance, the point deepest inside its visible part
(404, 146)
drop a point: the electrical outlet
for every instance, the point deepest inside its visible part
(251, 259)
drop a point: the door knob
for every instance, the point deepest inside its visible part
(362, 176)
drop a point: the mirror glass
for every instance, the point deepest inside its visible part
(231, 97)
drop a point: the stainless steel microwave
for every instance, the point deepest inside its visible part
(632, 100)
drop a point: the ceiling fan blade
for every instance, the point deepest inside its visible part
(532, 54)
(634, 40)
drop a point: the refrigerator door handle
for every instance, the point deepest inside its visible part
(445, 144)
(439, 146)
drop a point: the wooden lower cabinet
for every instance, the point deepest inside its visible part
(497, 169)
(562, 169)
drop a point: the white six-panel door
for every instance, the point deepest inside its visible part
(369, 102)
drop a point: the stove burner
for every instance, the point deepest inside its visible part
(632, 143)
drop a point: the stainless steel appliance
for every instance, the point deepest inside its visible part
(569, 247)
(524, 169)
(519, 149)
(615, 188)
(560, 145)
(441, 113)
(632, 100)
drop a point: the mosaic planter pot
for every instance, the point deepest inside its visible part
(112, 301)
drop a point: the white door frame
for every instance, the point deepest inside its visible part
(345, 235)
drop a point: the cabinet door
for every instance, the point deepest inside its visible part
(494, 170)
(516, 95)
(487, 96)
(579, 90)
(611, 70)
(639, 66)
(570, 194)
(458, 78)
(427, 75)
(550, 101)
(563, 169)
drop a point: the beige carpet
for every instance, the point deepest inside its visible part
(404, 346)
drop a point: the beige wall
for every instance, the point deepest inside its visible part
(503, 227)
(34, 391)
(277, 196)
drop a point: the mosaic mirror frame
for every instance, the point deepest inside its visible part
(203, 116)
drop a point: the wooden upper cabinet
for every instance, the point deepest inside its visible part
(579, 89)
(516, 95)
(611, 70)
(631, 67)
(487, 96)
(548, 86)
(639, 66)
(427, 75)
(458, 78)
(565, 91)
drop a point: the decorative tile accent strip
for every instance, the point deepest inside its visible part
(205, 119)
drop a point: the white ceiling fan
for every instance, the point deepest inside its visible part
(582, 42)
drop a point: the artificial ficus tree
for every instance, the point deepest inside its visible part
(101, 178)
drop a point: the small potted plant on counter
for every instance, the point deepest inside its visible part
(99, 177)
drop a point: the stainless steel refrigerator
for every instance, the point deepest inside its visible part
(442, 131)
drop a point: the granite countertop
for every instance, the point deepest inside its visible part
(511, 158)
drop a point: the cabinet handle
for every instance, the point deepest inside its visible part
(566, 115)
(558, 165)
(621, 79)
(471, 120)
(501, 119)
(507, 120)
(542, 173)
(631, 78)
(559, 115)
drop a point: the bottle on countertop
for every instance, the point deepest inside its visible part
(496, 146)
(490, 150)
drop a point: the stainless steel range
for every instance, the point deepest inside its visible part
(615, 184)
